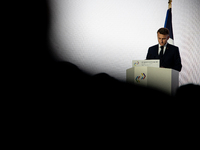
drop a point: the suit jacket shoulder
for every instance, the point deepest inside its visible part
(172, 46)
(154, 47)
(152, 52)
(171, 58)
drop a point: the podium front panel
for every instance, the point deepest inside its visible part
(160, 79)
(163, 79)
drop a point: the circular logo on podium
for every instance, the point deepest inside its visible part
(136, 63)
(138, 79)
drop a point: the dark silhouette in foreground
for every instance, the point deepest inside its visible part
(56, 101)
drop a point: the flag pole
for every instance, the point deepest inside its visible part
(170, 4)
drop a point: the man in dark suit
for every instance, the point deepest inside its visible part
(168, 54)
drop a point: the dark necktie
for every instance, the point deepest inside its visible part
(161, 55)
(161, 52)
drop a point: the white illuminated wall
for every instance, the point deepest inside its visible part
(106, 35)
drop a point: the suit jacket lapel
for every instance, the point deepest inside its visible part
(157, 49)
(166, 50)
(156, 52)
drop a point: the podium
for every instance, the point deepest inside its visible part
(163, 79)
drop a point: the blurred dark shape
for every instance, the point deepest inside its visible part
(189, 92)
(54, 102)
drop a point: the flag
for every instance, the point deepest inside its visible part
(168, 24)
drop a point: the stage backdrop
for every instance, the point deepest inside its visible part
(106, 35)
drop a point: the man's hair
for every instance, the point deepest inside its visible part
(163, 31)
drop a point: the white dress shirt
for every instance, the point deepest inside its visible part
(159, 48)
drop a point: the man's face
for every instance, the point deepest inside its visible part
(162, 39)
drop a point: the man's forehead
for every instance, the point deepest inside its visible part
(162, 35)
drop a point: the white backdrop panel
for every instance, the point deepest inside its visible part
(106, 35)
